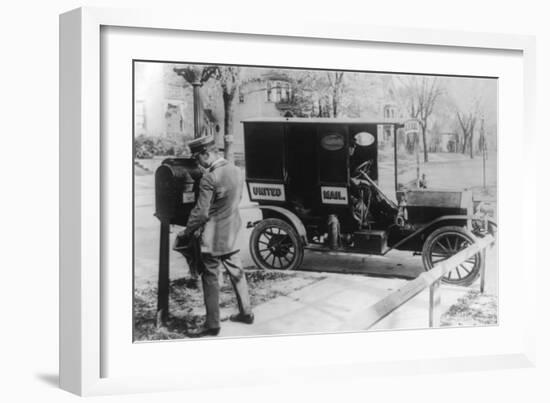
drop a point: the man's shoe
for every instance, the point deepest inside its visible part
(204, 332)
(247, 318)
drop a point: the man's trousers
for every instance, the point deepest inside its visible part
(211, 286)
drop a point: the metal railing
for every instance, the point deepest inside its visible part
(430, 279)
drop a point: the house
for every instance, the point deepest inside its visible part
(163, 104)
(266, 95)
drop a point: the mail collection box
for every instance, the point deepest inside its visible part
(176, 189)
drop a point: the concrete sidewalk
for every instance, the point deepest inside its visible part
(330, 303)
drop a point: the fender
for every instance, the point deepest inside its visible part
(291, 217)
(466, 218)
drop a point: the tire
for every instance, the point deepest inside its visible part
(445, 242)
(275, 244)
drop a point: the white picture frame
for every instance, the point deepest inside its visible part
(82, 249)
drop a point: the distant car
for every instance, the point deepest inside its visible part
(316, 183)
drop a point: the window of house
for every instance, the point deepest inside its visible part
(278, 93)
(389, 112)
(140, 115)
(241, 96)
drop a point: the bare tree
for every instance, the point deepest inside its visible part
(325, 94)
(422, 93)
(482, 141)
(302, 102)
(336, 86)
(230, 79)
(467, 121)
(316, 93)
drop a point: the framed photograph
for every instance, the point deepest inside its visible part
(309, 202)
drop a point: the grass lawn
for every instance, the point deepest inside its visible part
(187, 306)
(474, 309)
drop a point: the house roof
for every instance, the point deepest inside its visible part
(275, 75)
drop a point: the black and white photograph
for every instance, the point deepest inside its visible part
(284, 201)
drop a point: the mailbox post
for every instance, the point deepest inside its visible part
(164, 273)
(176, 189)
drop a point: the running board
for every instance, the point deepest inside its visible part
(339, 251)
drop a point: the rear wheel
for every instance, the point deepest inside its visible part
(445, 242)
(275, 244)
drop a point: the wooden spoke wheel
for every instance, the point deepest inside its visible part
(446, 242)
(275, 244)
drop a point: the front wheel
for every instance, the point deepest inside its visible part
(275, 244)
(445, 242)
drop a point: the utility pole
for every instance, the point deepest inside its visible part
(417, 146)
(196, 106)
(483, 152)
(412, 127)
(395, 171)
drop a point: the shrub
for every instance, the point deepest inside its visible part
(149, 146)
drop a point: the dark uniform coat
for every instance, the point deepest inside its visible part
(217, 208)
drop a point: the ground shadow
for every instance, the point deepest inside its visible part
(49, 379)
